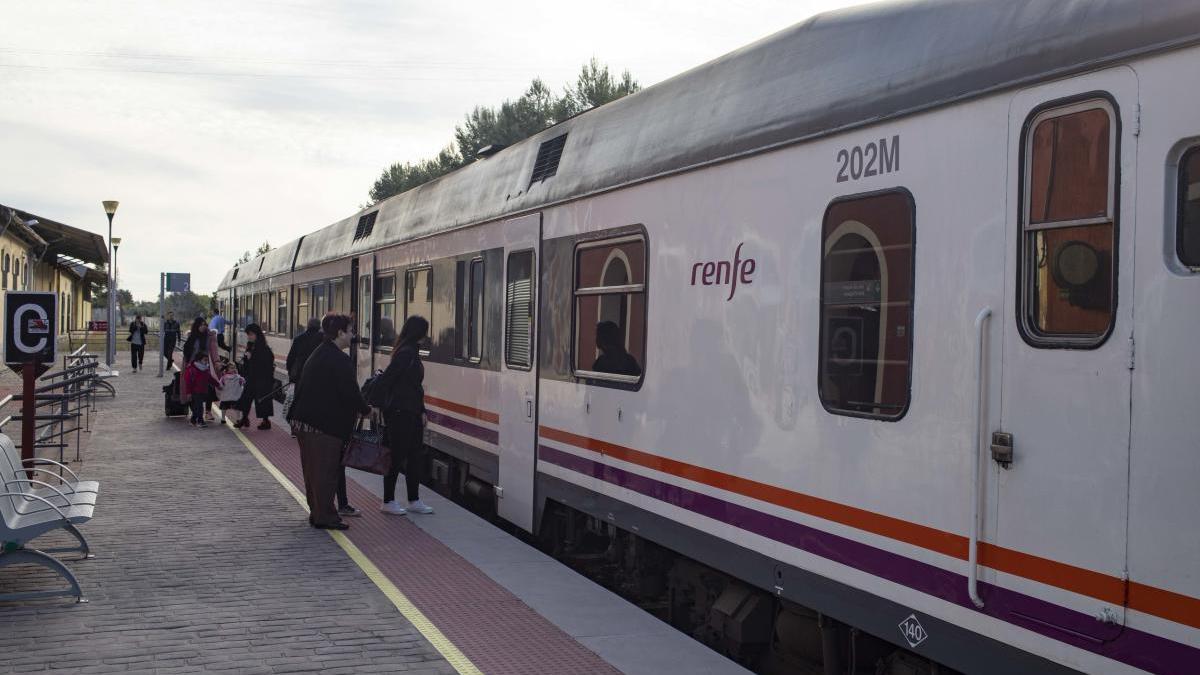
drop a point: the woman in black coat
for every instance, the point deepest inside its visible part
(258, 367)
(402, 398)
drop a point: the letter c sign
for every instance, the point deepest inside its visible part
(39, 324)
(30, 328)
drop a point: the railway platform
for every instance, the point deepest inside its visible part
(205, 562)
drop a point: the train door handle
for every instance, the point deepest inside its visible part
(529, 410)
(1002, 448)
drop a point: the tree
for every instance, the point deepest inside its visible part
(513, 121)
(247, 256)
(594, 87)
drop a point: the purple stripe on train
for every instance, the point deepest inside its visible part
(473, 430)
(1134, 647)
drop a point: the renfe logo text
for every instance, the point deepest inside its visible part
(721, 272)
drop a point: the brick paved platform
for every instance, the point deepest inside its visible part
(203, 563)
(497, 631)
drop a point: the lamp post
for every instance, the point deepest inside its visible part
(116, 243)
(110, 353)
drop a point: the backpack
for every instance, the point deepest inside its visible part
(374, 391)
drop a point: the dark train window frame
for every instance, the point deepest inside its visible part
(302, 301)
(398, 289)
(597, 240)
(475, 328)
(424, 267)
(533, 291)
(1191, 151)
(912, 294)
(1025, 286)
(281, 311)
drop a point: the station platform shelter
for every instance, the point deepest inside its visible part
(204, 561)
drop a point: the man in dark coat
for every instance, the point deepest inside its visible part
(170, 338)
(327, 404)
(302, 347)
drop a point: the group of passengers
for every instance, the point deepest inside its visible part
(327, 405)
(324, 405)
(209, 377)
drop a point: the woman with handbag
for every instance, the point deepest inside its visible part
(401, 396)
(260, 379)
(323, 413)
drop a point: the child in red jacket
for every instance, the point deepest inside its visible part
(198, 377)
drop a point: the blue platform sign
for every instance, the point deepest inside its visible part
(179, 282)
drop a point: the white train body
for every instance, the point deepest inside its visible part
(742, 443)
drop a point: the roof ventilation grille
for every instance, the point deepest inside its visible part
(366, 225)
(547, 159)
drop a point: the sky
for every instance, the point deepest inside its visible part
(222, 124)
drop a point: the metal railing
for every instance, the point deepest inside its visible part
(64, 403)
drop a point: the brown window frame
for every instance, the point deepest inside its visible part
(1027, 232)
(603, 240)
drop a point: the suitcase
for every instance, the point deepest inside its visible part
(172, 406)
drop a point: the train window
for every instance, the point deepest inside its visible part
(1187, 241)
(320, 302)
(475, 312)
(385, 311)
(518, 310)
(461, 302)
(338, 302)
(418, 297)
(261, 311)
(364, 310)
(865, 366)
(302, 314)
(281, 315)
(1069, 237)
(610, 309)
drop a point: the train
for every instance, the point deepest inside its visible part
(862, 348)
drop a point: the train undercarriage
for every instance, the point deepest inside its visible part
(763, 633)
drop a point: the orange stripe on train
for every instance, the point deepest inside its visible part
(1140, 597)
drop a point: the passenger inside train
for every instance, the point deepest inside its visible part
(613, 357)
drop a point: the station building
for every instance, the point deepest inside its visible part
(40, 254)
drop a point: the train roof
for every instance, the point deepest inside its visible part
(833, 72)
(272, 263)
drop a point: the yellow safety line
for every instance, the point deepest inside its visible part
(417, 618)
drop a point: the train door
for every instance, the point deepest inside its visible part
(234, 322)
(1062, 440)
(363, 269)
(518, 371)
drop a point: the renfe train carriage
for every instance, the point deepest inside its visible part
(871, 345)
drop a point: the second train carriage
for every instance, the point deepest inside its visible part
(902, 299)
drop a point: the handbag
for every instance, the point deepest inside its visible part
(366, 451)
(279, 394)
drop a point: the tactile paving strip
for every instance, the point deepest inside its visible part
(498, 632)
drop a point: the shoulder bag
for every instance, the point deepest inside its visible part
(366, 451)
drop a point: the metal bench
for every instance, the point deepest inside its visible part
(21, 523)
(39, 481)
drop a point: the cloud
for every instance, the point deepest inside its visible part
(220, 125)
